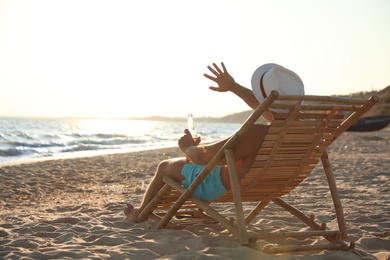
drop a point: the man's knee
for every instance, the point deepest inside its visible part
(162, 168)
(171, 168)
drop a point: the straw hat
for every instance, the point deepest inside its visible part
(272, 76)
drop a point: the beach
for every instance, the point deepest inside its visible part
(73, 208)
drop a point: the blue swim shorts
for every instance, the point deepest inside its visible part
(211, 188)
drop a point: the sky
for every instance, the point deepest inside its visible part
(143, 58)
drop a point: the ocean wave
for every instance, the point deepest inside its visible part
(81, 148)
(25, 135)
(109, 142)
(87, 143)
(34, 145)
(101, 135)
(11, 152)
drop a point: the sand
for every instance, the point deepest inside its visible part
(72, 208)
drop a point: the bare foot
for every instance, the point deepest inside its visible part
(131, 213)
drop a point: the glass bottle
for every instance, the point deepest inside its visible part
(191, 126)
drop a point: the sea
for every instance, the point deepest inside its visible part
(31, 139)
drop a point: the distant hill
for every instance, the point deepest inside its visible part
(383, 105)
(381, 108)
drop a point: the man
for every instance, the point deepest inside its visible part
(266, 78)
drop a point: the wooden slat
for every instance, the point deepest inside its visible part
(325, 99)
(312, 107)
(321, 115)
(300, 130)
(292, 163)
(283, 150)
(291, 137)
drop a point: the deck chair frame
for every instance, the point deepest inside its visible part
(239, 227)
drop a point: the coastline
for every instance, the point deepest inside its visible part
(72, 208)
(87, 154)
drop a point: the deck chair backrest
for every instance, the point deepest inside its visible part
(295, 141)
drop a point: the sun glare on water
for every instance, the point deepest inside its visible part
(115, 126)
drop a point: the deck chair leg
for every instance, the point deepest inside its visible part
(235, 186)
(149, 208)
(297, 213)
(256, 211)
(158, 219)
(335, 195)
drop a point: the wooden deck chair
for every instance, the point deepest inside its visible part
(296, 141)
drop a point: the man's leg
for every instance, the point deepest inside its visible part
(171, 168)
(247, 145)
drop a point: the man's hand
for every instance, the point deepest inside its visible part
(222, 78)
(187, 140)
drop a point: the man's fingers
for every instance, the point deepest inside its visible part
(213, 71)
(215, 89)
(209, 77)
(224, 68)
(197, 141)
(217, 68)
